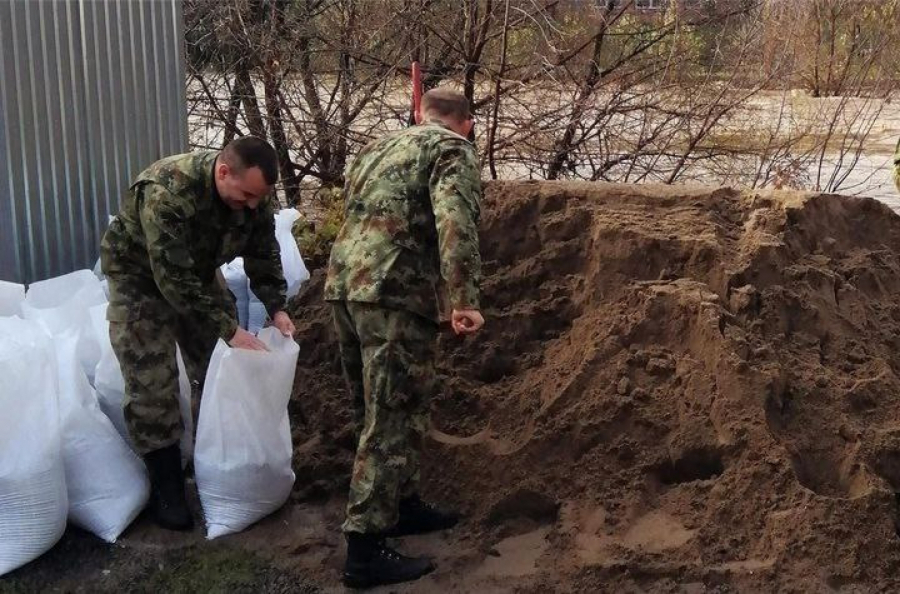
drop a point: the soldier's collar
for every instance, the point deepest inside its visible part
(444, 126)
(209, 188)
(213, 190)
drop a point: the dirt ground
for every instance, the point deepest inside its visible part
(679, 389)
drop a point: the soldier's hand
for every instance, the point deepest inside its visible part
(244, 340)
(466, 321)
(283, 322)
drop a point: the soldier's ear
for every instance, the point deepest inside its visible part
(418, 115)
(222, 170)
(466, 127)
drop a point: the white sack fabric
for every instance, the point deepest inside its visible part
(64, 303)
(295, 272)
(243, 457)
(107, 484)
(252, 313)
(11, 297)
(33, 504)
(236, 279)
(256, 314)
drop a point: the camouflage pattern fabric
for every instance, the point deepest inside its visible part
(172, 234)
(161, 256)
(412, 204)
(144, 343)
(388, 358)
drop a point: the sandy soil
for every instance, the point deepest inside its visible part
(679, 389)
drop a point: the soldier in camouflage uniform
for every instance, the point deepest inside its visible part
(412, 209)
(182, 218)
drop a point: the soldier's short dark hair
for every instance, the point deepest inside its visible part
(444, 103)
(250, 151)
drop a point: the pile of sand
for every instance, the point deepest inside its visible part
(677, 388)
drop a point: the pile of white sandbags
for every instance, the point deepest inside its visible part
(63, 303)
(106, 482)
(33, 499)
(252, 313)
(64, 447)
(60, 456)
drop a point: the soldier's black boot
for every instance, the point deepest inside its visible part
(418, 517)
(370, 563)
(168, 504)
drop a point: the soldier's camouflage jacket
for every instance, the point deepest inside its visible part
(412, 210)
(171, 235)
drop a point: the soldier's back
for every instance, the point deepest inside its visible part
(386, 251)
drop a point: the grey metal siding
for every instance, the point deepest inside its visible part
(91, 92)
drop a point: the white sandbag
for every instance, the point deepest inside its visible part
(295, 272)
(236, 279)
(63, 303)
(33, 504)
(54, 301)
(110, 385)
(243, 458)
(256, 314)
(252, 314)
(11, 297)
(107, 483)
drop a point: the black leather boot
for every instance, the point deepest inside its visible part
(370, 563)
(168, 504)
(418, 517)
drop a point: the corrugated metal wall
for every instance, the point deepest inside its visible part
(91, 92)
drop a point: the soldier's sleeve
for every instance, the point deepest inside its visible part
(164, 220)
(262, 261)
(455, 187)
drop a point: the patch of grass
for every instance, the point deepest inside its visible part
(213, 570)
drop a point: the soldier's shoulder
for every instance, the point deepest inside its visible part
(179, 172)
(448, 144)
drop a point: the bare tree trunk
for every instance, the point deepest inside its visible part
(234, 106)
(563, 146)
(243, 87)
(272, 90)
(495, 117)
(347, 86)
(311, 96)
(279, 139)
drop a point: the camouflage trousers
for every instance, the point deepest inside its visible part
(143, 338)
(388, 360)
